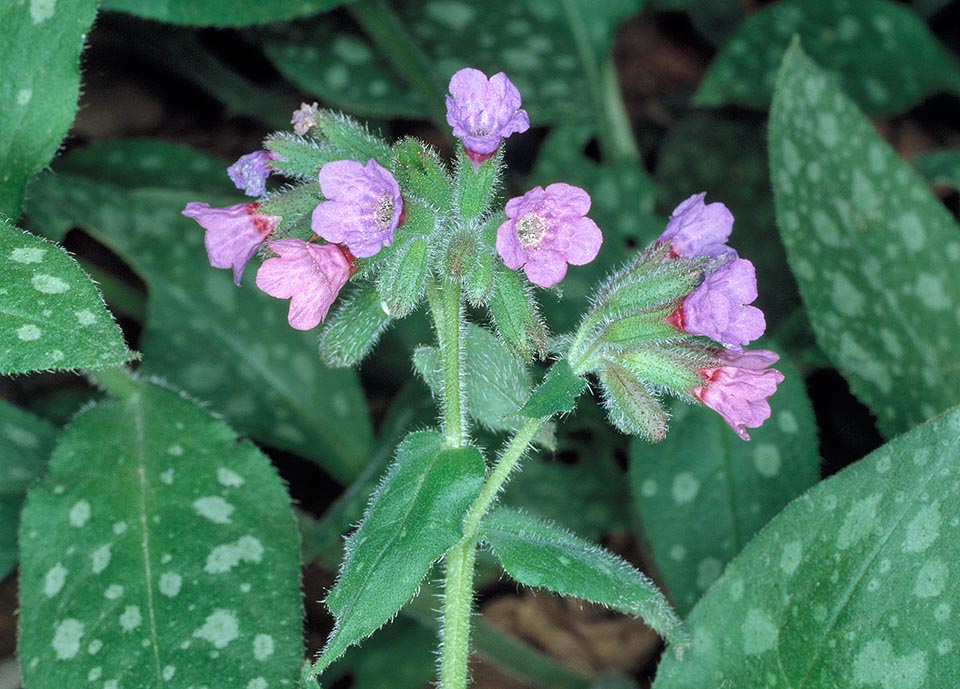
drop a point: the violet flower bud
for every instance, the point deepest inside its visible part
(483, 112)
(250, 172)
(699, 229)
(309, 275)
(304, 118)
(718, 307)
(739, 392)
(545, 230)
(232, 233)
(363, 209)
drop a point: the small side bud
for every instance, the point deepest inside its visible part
(514, 313)
(630, 405)
(421, 173)
(353, 327)
(403, 277)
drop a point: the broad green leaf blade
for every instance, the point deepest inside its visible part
(231, 347)
(884, 54)
(874, 252)
(152, 551)
(39, 85)
(26, 442)
(401, 656)
(940, 167)
(556, 394)
(723, 489)
(216, 13)
(414, 517)
(726, 156)
(852, 585)
(535, 43)
(541, 555)
(51, 314)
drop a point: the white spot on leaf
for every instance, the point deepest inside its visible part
(220, 628)
(54, 581)
(214, 508)
(262, 646)
(66, 639)
(79, 513)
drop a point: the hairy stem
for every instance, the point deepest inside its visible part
(446, 306)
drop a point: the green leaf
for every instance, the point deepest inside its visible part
(541, 555)
(723, 488)
(535, 43)
(151, 552)
(556, 394)
(940, 167)
(875, 253)
(26, 442)
(726, 156)
(39, 85)
(852, 585)
(884, 54)
(231, 347)
(216, 13)
(51, 314)
(401, 656)
(414, 517)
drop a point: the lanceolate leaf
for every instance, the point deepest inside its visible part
(25, 445)
(414, 517)
(875, 253)
(38, 86)
(227, 345)
(216, 13)
(51, 314)
(151, 553)
(885, 56)
(541, 555)
(852, 585)
(722, 488)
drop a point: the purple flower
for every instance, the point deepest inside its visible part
(739, 393)
(699, 229)
(363, 209)
(717, 308)
(233, 233)
(304, 119)
(483, 112)
(309, 275)
(250, 172)
(754, 359)
(546, 229)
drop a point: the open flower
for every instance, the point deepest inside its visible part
(739, 392)
(250, 172)
(483, 112)
(304, 118)
(699, 229)
(545, 230)
(309, 275)
(232, 233)
(363, 209)
(718, 307)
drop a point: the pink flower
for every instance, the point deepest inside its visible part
(309, 275)
(363, 209)
(718, 307)
(250, 172)
(483, 112)
(304, 118)
(739, 392)
(232, 233)
(698, 229)
(546, 229)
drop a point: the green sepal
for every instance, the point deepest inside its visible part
(514, 312)
(478, 278)
(295, 205)
(476, 186)
(651, 284)
(352, 140)
(641, 329)
(556, 394)
(666, 368)
(631, 407)
(420, 172)
(404, 277)
(353, 327)
(299, 157)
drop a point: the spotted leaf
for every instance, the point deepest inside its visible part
(874, 252)
(723, 488)
(51, 314)
(152, 550)
(215, 13)
(852, 585)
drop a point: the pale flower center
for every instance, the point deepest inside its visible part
(530, 230)
(383, 214)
